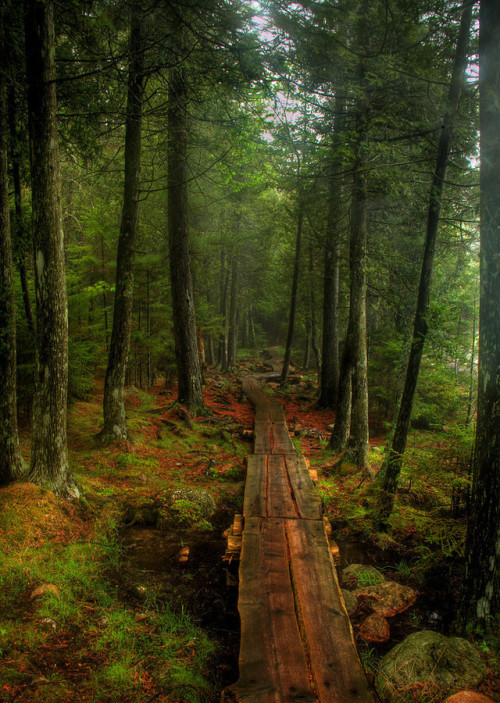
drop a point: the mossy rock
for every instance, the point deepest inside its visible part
(356, 575)
(189, 506)
(429, 663)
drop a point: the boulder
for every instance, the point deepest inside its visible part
(375, 629)
(387, 599)
(429, 663)
(351, 602)
(191, 500)
(361, 575)
(469, 697)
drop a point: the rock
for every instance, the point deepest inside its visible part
(139, 591)
(191, 500)
(429, 663)
(351, 602)
(375, 629)
(131, 390)
(44, 590)
(469, 697)
(387, 599)
(361, 575)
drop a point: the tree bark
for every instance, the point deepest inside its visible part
(314, 325)
(19, 226)
(186, 352)
(293, 298)
(49, 456)
(223, 305)
(481, 591)
(329, 382)
(115, 423)
(394, 457)
(11, 462)
(233, 316)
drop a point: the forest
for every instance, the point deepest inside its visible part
(195, 192)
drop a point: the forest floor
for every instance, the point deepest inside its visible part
(125, 595)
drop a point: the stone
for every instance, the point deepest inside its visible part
(45, 589)
(429, 663)
(469, 697)
(375, 629)
(361, 575)
(351, 602)
(387, 599)
(182, 497)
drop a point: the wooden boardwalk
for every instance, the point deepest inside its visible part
(297, 642)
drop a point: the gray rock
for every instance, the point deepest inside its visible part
(361, 575)
(351, 602)
(429, 663)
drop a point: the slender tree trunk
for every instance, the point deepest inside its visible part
(307, 348)
(471, 368)
(357, 309)
(186, 351)
(394, 457)
(223, 295)
(481, 591)
(293, 300)
(115, 423)
(49, 455)
(329, 383)
(104, 297)
(150, 379)
(343, 406)
(19, 228)
(314, 325)
(233, 316)
(11, 463)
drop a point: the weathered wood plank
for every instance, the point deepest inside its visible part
(272, 662)
(254, 501)
(262, 442)
(279, 496)
(306, 496)
(337, 670)
(281, 442)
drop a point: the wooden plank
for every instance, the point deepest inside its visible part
(279, 495)
(272, 662)
(306, 496)
(281, 442)
(254, 501)
(262, 438)
(336, 668)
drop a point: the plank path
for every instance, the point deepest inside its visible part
(297, 642)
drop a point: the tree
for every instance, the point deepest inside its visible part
(481, 590)
(49, 454)
(115, 424)
(11, 462)
(394, 457)
(189, 379)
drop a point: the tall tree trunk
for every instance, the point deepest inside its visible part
(233, 316)
(293, 298)
(19, 227)
(223, 298)
(357, 308)
(49, 454)
(314, 325)
(329, 382)
(186, 352)
(481, 591)
(115, 423)
(11, 463)
(394, 457)
(471, 368)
